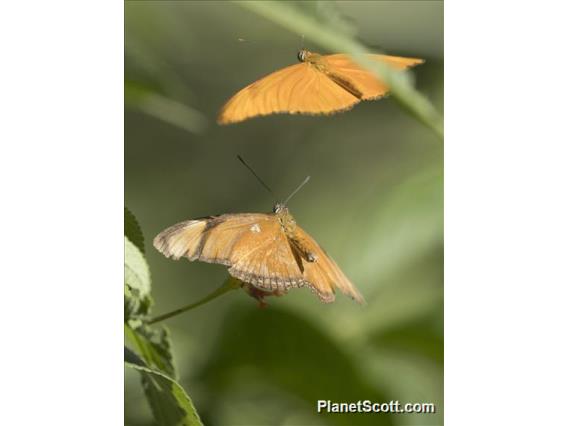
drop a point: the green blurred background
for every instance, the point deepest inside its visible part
(375, 202)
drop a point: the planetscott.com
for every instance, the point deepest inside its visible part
(375, 407)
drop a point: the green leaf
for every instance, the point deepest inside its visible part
(136, 271)
(171, 406)
(319, 25)
(132, 230)
(137, 286)
(154, 345)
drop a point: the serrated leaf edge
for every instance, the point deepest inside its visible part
(174, 382)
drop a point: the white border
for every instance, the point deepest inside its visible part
(61, 168)
(506, 213)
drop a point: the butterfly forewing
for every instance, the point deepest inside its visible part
(299, 88)
(225, 233)
(343, 67)
(397, 62)
(208, 240)
(182, 239)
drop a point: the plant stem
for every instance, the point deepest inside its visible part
(327, 35)
(228, 285)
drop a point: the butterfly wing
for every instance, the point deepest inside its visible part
(181, 239)
(209, 239)
(266, 260)
(253, 246)
(299, 88)
(342, 68)
(321, 269)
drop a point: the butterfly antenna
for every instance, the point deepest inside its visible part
(254, 174)
(306, 180)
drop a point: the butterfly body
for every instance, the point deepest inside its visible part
(266, 250)
(286, 220)
(313, 59)
(319, 84)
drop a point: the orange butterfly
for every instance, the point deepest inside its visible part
(319, 84)
(268, 252)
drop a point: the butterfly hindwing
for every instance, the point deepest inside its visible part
(264, 259)
(268, 259)
(322, 269)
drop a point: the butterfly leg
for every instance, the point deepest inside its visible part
(260, 294)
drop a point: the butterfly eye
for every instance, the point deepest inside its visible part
(302, 55)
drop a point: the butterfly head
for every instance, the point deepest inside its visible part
(285, 218)
(280, 209)
(303, 55)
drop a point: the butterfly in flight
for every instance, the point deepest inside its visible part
(319, 84)
(268, 252)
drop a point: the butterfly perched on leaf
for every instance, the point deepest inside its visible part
(319, 84)
(268, 252)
